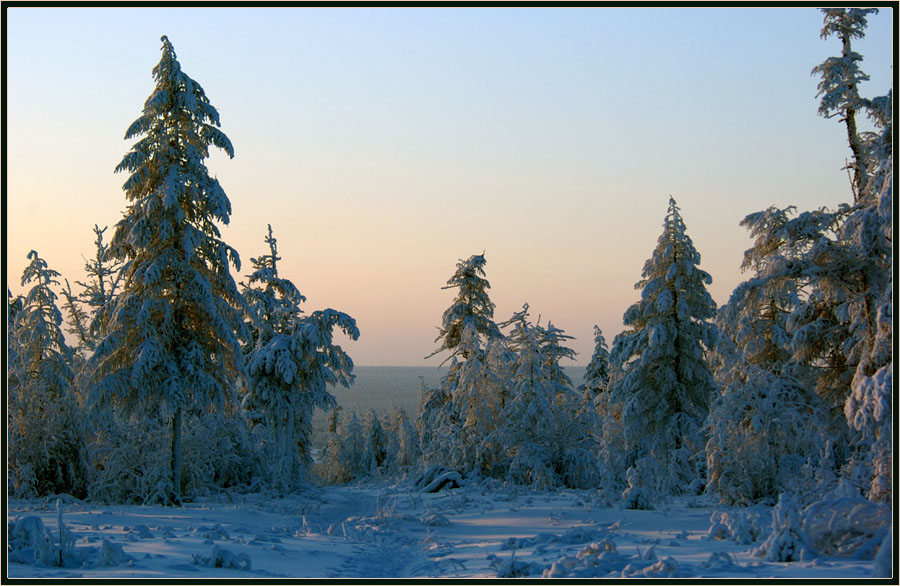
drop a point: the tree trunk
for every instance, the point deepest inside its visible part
(176, 457)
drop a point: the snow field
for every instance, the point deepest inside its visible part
(398, 532)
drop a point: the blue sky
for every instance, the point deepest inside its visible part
(385, 144)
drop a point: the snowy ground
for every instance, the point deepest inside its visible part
(398, 532)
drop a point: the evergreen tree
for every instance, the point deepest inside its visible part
(376, 439)
(291, 365)
(471, 308)
(666, 383)
(457, 417)
(841, 77)
(596, 375)
(173, 337)
(45, 429)
(408, 453)
(356, 459)
(767, 421)
(841, 260)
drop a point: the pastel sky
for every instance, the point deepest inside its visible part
(385, 144)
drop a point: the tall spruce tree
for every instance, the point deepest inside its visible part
(666, 383)
(457, 416)
(173, 337)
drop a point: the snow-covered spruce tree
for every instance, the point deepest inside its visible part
(841, 261)
(356, 459)
(290, 366)
(172, 342)
(407, 455)
(839, 86)
(472, 308)
(44, 426)
(666, 384)
(596, 375)
(376, 439)
(767, 422)
(545, 431)
(462, 412)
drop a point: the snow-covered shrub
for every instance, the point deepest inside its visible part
(763, 428)
(130, 463)
(532, 465)
(639, 494)
(743, 526)
(512, 568)
(130, 457)
(843, 523)
(349, 455)
(220, 557)
(664, 567)
(404, 453)
(221, 455)
(546, 429)
(787, 541)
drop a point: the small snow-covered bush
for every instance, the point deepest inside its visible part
(743, 526)
(512, 568)
(222, 558)
(638, 495)
(787, 542)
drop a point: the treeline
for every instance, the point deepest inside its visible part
(787, 388)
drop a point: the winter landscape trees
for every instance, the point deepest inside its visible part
(181, 383)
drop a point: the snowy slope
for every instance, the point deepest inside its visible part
(398, 532)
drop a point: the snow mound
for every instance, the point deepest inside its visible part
(435, 520)
(32, 544)
(884, 559)
(110, 555)
(718, 559)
